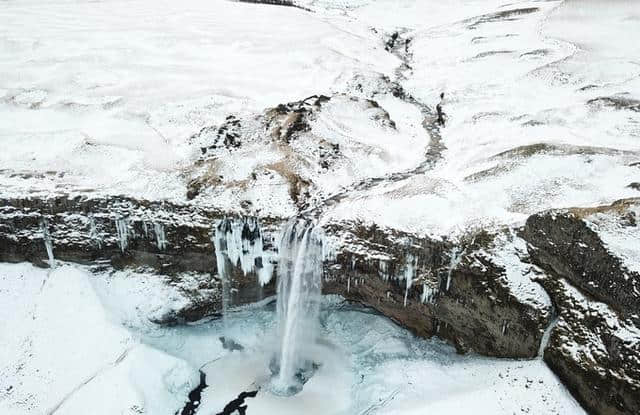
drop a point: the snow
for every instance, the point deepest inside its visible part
(61, 351)
(509, 252)
(132, 81)
(85, 83)
(494, 105)
(367, 362)
(147, 380)
(620, 237)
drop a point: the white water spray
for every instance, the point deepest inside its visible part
(298, 305)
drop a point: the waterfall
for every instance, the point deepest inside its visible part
(456, 257)
(298, 305)
(48, 244)
(547, 335)
(409, 275)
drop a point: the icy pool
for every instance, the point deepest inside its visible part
(74, 340)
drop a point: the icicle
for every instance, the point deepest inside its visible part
(93, 232)
(348, 284)
(382, 267)
(122, 229)
(220, 246)
(505, 325)
(145, 226)
(409, 275)
(428, 294)
(241, 243)
(266, 272)
(161, 241)
(456, 257)
(48, 243)
(298, 305)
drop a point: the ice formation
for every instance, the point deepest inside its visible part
(241, 242)
(428, 293)
(456, 257)
(161, 240)
(409, 275)
(299, 295)
(93, 232)
(122, 229)
(238, 242)
(48, 244)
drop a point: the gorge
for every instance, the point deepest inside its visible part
(242, 208)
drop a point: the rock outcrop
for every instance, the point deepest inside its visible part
(458, 292)
(476, 292)
(431, 286)
(591, 258)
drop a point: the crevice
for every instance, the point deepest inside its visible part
(238, 404)
(88, 380)
(195, 397)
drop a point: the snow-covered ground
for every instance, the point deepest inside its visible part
(523, 133)
(103, 97)
(74, 341)
(62, 352)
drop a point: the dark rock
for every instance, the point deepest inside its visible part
(563, 243)
(175, 240)
(595, 346)
(471, 313)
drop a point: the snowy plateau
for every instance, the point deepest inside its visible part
(267, 207)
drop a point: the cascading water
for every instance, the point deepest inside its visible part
(298, 305)
(456, 257)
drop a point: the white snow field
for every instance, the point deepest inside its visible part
(75, 342)
(62, 352)
(102, 97)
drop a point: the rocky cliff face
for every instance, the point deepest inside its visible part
(457, 291)
(477, 292)
(591, 258)
(433, 287)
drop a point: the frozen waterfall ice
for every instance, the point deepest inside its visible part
(238, 242)
(299, 294)
(48, 244)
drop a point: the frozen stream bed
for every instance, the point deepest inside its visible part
(78, 342)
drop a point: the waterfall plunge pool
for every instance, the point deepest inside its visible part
(91, 344)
